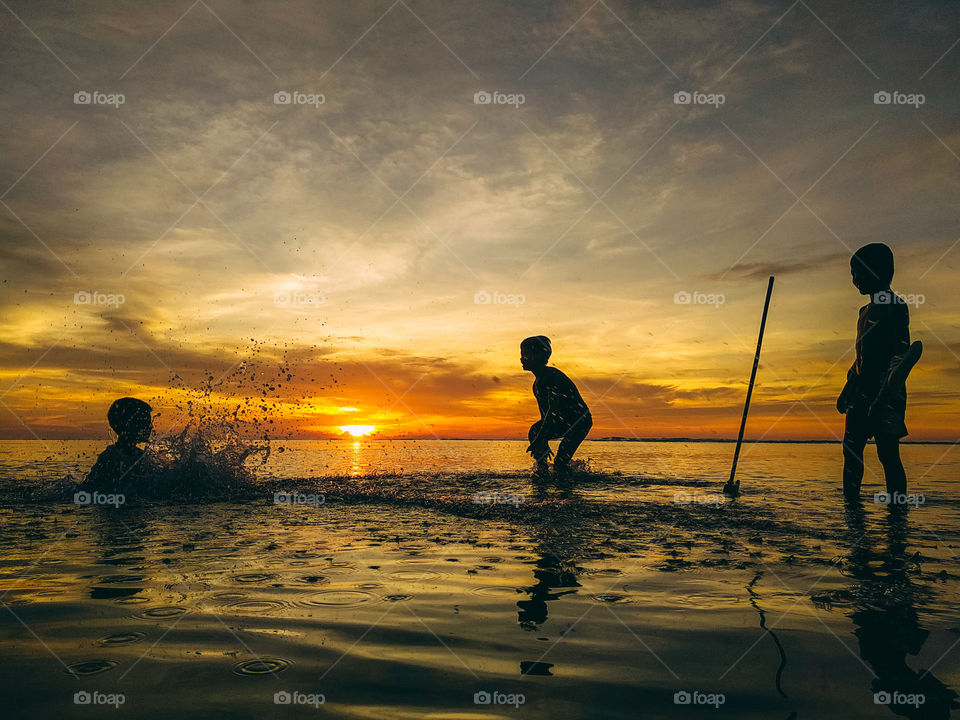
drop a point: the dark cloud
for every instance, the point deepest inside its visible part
(761, 270)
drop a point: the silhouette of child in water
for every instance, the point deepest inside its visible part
(122, 467)
(883, 336)
(564, 415)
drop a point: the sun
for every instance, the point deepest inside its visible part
(358, 430)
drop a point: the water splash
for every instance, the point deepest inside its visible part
(207, 459)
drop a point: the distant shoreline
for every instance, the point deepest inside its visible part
(517, 439)
(689, 440)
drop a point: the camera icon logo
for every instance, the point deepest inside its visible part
(882, 498)
(482, 97)
(82, 498)
(282, 98)
(882, 97)
(881, 698)
(82, 698)
(82, 98)
(482, 298)
(482, 698)
(682, 98)
(883, 297)
(682, 697)
(482, 498)
(82, 298)
(681, 298)
(282, 697)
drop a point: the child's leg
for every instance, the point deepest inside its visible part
(888, 450)
(853, 445)
(541, 451)
(570, 442)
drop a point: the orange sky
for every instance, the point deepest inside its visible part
(389, 247)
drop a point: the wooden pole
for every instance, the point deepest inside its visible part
(733, 487)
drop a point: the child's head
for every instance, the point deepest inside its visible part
(871, 268)
(130, 420)
(534, 352)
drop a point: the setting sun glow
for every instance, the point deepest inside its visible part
(358, 430)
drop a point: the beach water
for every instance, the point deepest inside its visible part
(406, 579)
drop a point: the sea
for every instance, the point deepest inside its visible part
(401, 579)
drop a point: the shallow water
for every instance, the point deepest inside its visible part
(396, 594)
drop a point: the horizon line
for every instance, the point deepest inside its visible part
(610, 438)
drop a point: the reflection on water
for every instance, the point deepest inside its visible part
(557, 545)
(401, 597)
(888, 628)
(754, 598)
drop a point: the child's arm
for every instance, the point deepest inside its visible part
(546, 414)
(849, 391)
(539, 442)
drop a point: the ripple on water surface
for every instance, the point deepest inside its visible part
(261, 666)
(312, 579)
(343, 598)
(255, 606)
(496, 591)
(338, 568)
(163, 612)
(415, 575)
(123, 638)
(253, 577)
(132, 600)
(91, 667)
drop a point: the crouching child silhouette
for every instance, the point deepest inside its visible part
(874, 398)
(122, 467)
(564, 416)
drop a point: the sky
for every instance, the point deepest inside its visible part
(448, 178)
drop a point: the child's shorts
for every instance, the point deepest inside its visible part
(887, 420)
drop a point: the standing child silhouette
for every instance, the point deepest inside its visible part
(564, 415)
(883, 338)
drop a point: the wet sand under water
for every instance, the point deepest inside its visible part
(401, 597)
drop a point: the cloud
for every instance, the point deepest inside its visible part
(761, 270)
(596, 200)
